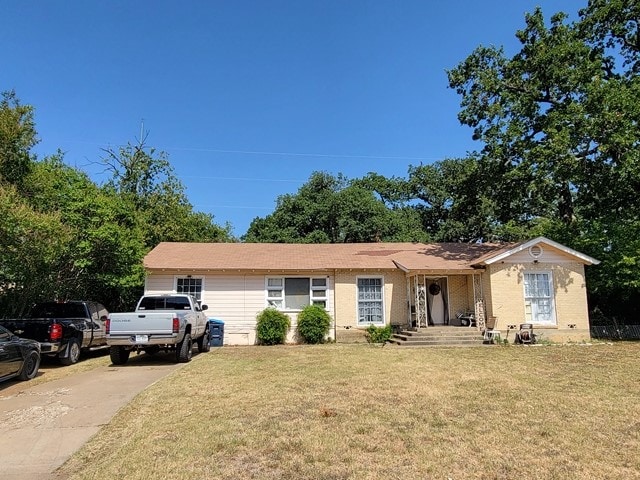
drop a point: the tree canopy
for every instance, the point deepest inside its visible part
(332, 209)
(559, 125)
(17, 137)
(64, 236)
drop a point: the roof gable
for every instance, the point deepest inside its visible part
(524, 246)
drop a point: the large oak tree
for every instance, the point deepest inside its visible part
(559, 122)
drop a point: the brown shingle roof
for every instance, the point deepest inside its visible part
(289, 257)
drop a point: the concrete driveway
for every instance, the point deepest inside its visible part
(43, 425)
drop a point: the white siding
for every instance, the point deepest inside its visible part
(234, 299)
(156, 283)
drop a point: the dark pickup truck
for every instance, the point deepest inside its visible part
(63, 329)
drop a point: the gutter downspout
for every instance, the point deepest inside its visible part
(335, 311)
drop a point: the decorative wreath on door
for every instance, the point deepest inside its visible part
(434, 289)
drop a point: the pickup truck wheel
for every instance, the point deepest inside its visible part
(203, 341)
(185, 349)
(119, 355)
(30, 367)
(73, 352)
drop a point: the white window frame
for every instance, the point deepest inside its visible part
(531, 315)
(316, 298)
(275, 284)
(381, 301)
(190, 277)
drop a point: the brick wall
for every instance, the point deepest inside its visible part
(507, 302)
(460, 294)
(346, 298)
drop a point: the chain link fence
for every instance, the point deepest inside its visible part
(616, 332)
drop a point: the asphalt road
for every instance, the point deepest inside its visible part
(43, 425)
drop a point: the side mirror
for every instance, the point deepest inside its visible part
(204, 307)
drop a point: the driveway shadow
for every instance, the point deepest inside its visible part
(144, 359)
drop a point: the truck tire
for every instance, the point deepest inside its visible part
(184, 350)
(119, 355)
(204, 344)
(73, 352)
(30, 366)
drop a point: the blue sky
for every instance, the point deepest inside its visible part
(248, 98)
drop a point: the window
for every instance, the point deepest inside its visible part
(295, 293)
(275, 287)
(164, 303)
(191, 286)
(370, 307)
(97, 312)
(538, 298)
(5, 335)
(319, 292)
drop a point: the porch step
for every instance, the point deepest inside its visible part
(438, 336)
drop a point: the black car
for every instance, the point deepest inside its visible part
(19, 357)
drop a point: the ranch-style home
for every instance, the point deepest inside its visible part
(408, 285)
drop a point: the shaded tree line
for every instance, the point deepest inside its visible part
(558, 128)
(64, 236)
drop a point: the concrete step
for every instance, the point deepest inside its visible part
(391, 344)
(416, 338)
(441, 333)
(443, 336)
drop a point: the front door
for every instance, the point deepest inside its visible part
(437, 290)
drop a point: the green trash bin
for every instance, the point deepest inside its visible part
(216, 332)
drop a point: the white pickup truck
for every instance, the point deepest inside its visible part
(160, 322)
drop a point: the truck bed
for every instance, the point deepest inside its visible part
(36, 328)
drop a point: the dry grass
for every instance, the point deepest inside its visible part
(362, 412)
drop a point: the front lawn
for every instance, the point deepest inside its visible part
(364, 412)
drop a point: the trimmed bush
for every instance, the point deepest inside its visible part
(313, 324)
(272, 327)
(378, 334)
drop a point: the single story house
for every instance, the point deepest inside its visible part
(410, 285)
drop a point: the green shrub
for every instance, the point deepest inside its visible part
(378, 334)
(313, 324)
(272, 327)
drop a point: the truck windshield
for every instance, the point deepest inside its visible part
(164, 303)
(58, 310)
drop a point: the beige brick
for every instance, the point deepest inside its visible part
(346, 296)
(570, 298)
(351, 335)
